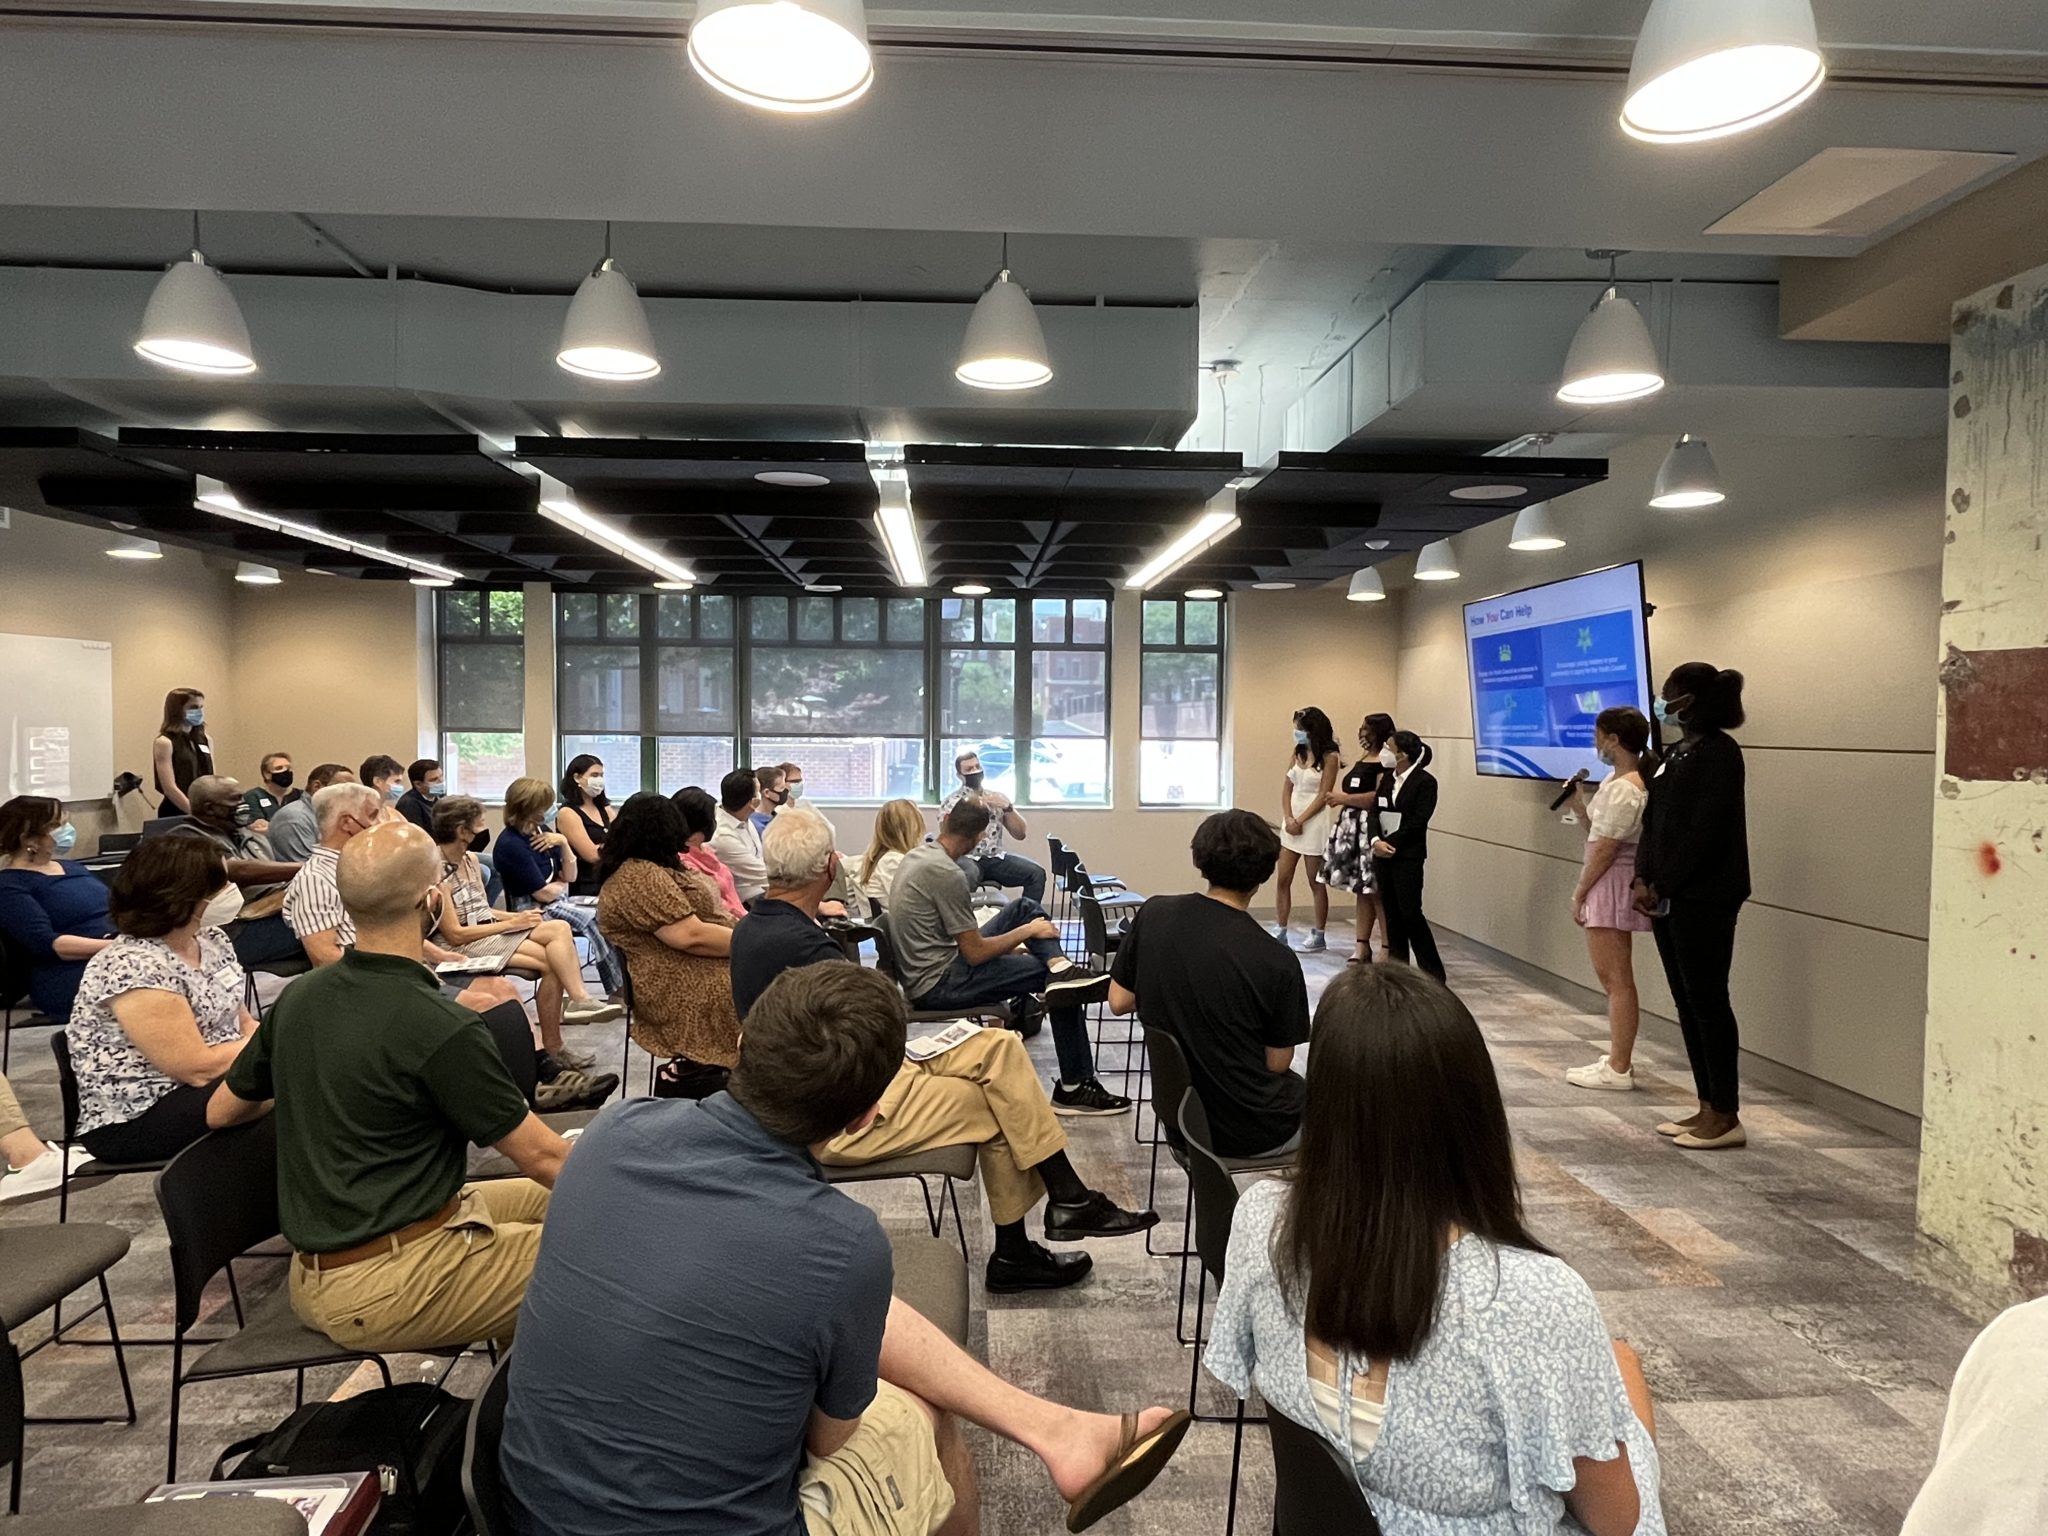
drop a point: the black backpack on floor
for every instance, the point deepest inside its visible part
(409, 1435)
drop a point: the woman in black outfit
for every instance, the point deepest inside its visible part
(585, 820)
(1400, 846)
(181, 752)
(1692, 877)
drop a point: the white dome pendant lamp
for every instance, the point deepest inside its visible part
(1688, 477)
(1612, 358)
(1708, 68)
(605, 336)
(784, 55)
(1436, 562)
(193, 322)
(1535, 528)
(1367, 586)
(1005, 345)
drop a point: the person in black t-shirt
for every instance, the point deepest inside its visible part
(1204, 969)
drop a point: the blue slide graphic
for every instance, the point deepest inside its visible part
(1545, 662)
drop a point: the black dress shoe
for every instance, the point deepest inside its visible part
(1043, 1271)
(1096, 1216)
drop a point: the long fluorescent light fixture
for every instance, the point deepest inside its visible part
(558, 505)
(211, 495)
(898, 527)
(1219, 522)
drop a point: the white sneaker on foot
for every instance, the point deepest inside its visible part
(1601, 1075)
(39, 1175)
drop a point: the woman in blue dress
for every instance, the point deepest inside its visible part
(52, 907)
(1388, 1295)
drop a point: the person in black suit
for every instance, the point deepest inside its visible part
(1692, 877)
(1399, 851)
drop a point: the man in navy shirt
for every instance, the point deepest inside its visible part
(983, 1092)
(755, 1377)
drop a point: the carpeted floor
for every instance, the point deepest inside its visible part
(1800, 1371)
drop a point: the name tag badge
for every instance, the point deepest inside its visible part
(228, 978)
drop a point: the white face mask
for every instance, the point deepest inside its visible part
(225, 907)
(1386, 757)
(594, 785)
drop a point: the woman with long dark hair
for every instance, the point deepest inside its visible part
(1603, 901)
(1347, 863)
(1400, 845)
(585, 819)
(181, 752)
(1388, 1294)
(676, 936)
(1692, 877)
(1305, 822)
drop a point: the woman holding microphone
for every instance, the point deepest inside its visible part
(1692, 877)
(1400, 830)
(1603, 902)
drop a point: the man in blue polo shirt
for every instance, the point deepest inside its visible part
(754, 1376)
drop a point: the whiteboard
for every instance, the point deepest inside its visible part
(57, 708)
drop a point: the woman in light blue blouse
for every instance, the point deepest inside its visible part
(1388, 1294)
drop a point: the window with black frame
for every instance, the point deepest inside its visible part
(1180, 730)
(481, 686)
(1024, 683)
(837, 684)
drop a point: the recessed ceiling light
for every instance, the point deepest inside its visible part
(1486, 493)
(971, 589)
(823, 586)
(793, 477)
(1379, 543)
(1272, 586)
(674, 586)
(431, 581)
(1204, 594)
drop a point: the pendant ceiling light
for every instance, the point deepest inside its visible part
(1436, 562)
(250, 574)
(605, 335)
(1534, 529)
(193, 322)
(1707, 68)
(130, 546)
(1367, 586)
(784, 55)
(1688, 477)
(1612, 358)
(1005, 346)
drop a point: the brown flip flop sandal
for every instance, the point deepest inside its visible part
(1130, 1470)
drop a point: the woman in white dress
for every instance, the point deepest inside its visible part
(1602, 902)
(1305, 821)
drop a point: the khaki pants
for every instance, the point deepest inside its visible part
(11, 1117)
(885, 1481)
(984, 1092)
(453, 1287)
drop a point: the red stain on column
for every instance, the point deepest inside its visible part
(1987, 859)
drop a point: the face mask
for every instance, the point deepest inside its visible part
(1667, 714)
(64, 839)
(436, 791)
(1607, 756)
(282, 778)
(223, 909)
(794, 792)
(244, 813)
(1387, 757)
(481, 841)
(195, 717)
(393, 791)
(1300, 737)
(594, 785)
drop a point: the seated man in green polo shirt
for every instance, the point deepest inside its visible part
(380, 1083)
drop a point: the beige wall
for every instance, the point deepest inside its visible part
(1819, 580)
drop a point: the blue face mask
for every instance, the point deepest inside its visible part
(436, 791)
(1300, 737)
(195, 717)
(1665, 714)
(65, 838)
(393, 791)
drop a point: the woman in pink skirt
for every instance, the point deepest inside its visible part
(1602, 903)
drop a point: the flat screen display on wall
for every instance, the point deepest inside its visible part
(1545, 661)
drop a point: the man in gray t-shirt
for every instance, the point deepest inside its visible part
(948, 962)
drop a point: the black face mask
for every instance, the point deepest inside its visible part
(282, 780)
(481, 841)
(973, 780)
(242, 814)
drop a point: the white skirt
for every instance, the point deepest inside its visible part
(1314, 837)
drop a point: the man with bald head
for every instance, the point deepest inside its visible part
(222, 817)
(379, 1084)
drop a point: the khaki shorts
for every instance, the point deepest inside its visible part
(885, 1481)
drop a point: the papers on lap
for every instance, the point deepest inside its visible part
(925, 1047)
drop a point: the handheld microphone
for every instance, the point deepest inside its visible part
(1569, 785)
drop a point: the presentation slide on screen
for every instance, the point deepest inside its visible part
(1545, 662)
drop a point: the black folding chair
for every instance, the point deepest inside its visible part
(91, 1169)
(885, 962)
(483, 1481)
(1315, 1491)
(14, 975)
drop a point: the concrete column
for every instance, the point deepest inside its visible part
(540, 681)
(1984, 1138)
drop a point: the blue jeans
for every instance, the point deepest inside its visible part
(1012, 978)
(1007, 871)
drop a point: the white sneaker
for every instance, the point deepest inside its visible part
(41, 1175)
(591, 1010)
(1279, 933)
(1600, 1075)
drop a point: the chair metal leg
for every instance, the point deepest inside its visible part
(1195, 1354)
(1236, 1465)
(959, 1222)
(1187, 1252)
(299, 1389)
(932, 1218)
(177, 1387)
(235, 1295)
(120, 1354)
